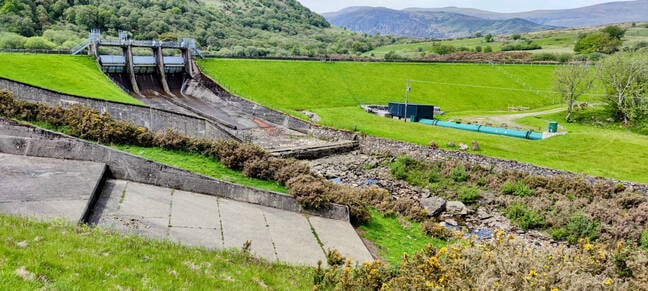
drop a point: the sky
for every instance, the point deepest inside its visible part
(321, 6)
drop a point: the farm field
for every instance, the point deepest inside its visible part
(77, 75)
(335, 91)
(556, 41)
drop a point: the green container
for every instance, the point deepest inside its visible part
(553, 126)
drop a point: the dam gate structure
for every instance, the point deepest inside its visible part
(141, 75)
(163, 75)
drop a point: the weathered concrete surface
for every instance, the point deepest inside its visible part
(207, 221)
(41, 143)
(47, 188)
(152, 118)
(336, 234)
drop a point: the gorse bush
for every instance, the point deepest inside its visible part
(518, 188)
(468, 195)
(458, 174)
(578, 227)
(524, 217)
(505, 263)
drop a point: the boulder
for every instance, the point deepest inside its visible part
(433, 205)
(456, 208)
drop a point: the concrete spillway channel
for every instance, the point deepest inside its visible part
(175, 83)
(51, 176)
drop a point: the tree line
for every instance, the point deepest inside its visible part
(227, 27)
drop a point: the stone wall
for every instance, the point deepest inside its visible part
(25, 140)
(153, 119)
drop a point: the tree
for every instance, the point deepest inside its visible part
(572, 81)
(614, 32)
(597, 42)
(625, 78)
(489, 38)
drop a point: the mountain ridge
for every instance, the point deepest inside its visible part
(594, 15)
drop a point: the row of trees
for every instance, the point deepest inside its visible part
(624, 77)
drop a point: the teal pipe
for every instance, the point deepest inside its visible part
(526, 134)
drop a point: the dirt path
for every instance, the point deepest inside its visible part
(508, 119)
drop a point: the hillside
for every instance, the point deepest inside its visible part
(427, 24)
(601, 14)
(453, 22)
(229, 27)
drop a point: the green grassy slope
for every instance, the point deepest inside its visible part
(289, 85)
(56, 256)
(334, 91)
(77, 75)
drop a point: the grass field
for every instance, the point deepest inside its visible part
(200, 165)
(57, 256)
(394, 237)
(556, 41)
(335, 91)
(77, 75)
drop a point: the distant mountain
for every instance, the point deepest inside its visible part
(453, 22)
(601, 14)
(428, 24)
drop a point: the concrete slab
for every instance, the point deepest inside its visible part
(146, 201)
(70, 210)
(245, 222)
(293, 237)
(194, 210)
(197, 237)
(42, 179)
(109, 200)
(340, 235)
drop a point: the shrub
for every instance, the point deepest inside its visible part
(288, 169)
(518, 188)
(468, 195)
(334, 258)
(644, 239)
(543, 57)
(236, 157)
(524, 217)
(434, 229)
(311, 192)
(578, 227)
(458, 173)
(39, 43)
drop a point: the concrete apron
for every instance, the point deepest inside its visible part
(46, 188)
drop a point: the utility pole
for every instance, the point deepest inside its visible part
(407, 89)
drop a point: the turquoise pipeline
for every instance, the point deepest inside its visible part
(525, 134)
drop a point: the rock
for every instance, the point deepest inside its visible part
(475, 146)
(434, 145)
(455, 208)
(451, 222)
(463, 147)
(482, 214)
(433, 205)
(451, 144)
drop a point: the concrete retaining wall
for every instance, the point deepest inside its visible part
(153, 119)
(29, 141)
(206, 88)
